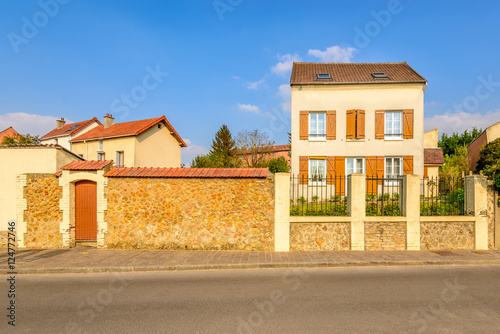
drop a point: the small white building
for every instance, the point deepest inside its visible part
(63, 132)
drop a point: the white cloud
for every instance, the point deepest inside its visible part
(191, 151)
(286, 63)
(286, 106)
(461, 121)
(249, 107)
(284, 91)
(333, 54)
(28, 123)
(255, 84)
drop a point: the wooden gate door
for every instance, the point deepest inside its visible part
(85, 210)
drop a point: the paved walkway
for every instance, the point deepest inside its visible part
(76, 260)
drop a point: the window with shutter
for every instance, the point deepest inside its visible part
(303, 167)
(340, 174)
(330, 170)
(408, 164)
(304, 125)
(331, 124)
(360, 124)
(355, 124)
(379, 124)
(408, 124)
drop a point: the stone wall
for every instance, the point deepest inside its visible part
(320, 236)
(444, 235)
(4, 236)
(190, 213)
(385, 236)
(491, 217)
(42, 214)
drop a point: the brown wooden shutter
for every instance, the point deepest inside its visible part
(408, 124)
(304, 125)
(331, 124)
(303, 169)
(371, 172)
(379, 124)
(360, 124)
(426, 172)
(380, 168)
(408, 164)
(340, 173)
(330, 170)
(350, 124)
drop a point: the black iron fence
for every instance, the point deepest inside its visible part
(442, 196)
(384, 196)
(319, 196)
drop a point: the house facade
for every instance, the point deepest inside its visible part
(357, 118)
(265, 153)
(145, 143)
(63, 132)
(491, 133)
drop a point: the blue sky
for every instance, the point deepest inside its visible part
(229, 61)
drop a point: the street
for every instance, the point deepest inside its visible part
(430, 299)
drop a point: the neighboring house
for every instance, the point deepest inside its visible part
(356, 118)
(268, 152)
(9, 132)
(490, 134)
(433, 155)
(63, 132)
(15, 160)
(145, 143)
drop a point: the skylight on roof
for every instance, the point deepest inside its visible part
(379, 75)
(323, 76)
(72, 128)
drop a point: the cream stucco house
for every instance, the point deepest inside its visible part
(357, 118)
(63, 132)
(144, 143)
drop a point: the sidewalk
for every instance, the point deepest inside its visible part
(87, 260)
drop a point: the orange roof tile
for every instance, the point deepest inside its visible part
(87, 165)
(188, 172)
(306, 73)
(8, 132)
(132, 128)
(69, 129)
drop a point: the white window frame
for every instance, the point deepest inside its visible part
(398, 136)
(99, 154)
(100, 146)
(322, 181)
(392, 169)
(118, 155)
(363, 159)
(317, 137)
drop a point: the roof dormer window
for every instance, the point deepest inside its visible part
(379, 75)
(321, 76)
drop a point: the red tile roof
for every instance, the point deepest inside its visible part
(188, 172)
(275, 148)
(87, 165)
(306, 73)
(70, 129)
(433, 156)
(133, 128)
(8, 132)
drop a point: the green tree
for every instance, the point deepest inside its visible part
(277, 165)
(224, 144)
(254, 146)
(455, 164)
(489, 158)
(449, 144)
(20, 140)
(215, 160)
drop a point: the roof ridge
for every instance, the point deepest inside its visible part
(299, 62)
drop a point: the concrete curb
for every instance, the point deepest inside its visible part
(88, 270)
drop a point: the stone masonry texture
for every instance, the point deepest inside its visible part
(444, 235)
(176, 213)
(491, 217)
(42, 215)
(320, 236)
(385, 236)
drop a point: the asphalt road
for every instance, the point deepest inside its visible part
(428, 299)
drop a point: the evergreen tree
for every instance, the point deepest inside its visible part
(224, 144)
(450, 144)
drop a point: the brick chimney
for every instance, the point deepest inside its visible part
(60, 123)
(108, 121)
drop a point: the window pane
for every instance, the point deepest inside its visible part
(359, 165)
(397, 166)
(388, 167)
(313, 125)
(349, 166)
(397, 123)
(388, 122)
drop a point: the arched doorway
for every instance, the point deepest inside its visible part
(85, 210)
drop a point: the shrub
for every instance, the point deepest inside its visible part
(315, 199)
(301, 200)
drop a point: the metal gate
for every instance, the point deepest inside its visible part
(85, 210)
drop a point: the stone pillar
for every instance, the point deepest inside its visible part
(357, 209)
(411, 188)
(282, 212)
(496, 217)
(21, 206)
(477, 202)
